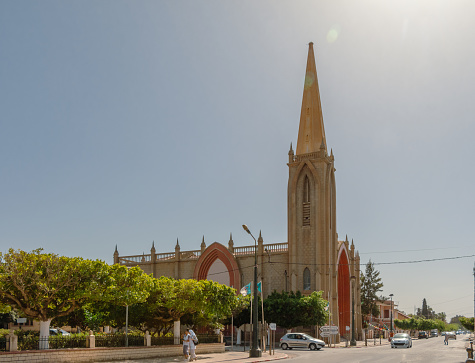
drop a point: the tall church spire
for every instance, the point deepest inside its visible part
(311, 130)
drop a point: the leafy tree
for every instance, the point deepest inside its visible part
(45, 286)
(425, 311)
(289, 310)
(371, 284)
(467, 323)
(197, 303)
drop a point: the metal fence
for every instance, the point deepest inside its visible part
(208, 338)
(118, 340)
(3, 344)
(34, 342)
(162, 340)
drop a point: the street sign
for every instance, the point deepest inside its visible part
(272, 326)
(347, 328)
(330, 329)
(325, 334)
(21, 320)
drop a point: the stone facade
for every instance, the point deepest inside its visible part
(313, 259)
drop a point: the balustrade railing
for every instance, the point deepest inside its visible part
(245, 250)
(190, 255)
(277, 247)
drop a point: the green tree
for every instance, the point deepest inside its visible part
(289, 310)
(467, 323)
(371, 284)
(45, 286)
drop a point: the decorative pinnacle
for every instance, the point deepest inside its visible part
(230, 237)
(203, 242)
(116, 248)
(177, 244)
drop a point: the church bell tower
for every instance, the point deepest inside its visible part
(311, 199)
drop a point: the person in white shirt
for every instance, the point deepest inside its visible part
(186, 347)
(191, 335)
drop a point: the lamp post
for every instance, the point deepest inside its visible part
(255, 351)
(353, 340)
(391, 321)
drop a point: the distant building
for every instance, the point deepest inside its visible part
(313, 259)
(385, 309)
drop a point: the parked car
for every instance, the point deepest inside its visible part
(434, 333)
(401, 340)
(300, 340)
(423, 335)
(451, 335)
(443, 333)
(58, 331)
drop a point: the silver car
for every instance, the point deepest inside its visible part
(401, 340)
(300, 340)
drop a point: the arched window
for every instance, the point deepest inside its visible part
(306, 202)
(306, 279)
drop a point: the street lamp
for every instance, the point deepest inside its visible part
(391, 323)
(353, 340)
(255, 351)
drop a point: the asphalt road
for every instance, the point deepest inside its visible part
(425, 350)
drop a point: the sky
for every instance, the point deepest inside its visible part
(128, 122)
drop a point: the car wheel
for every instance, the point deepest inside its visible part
(284, 346)
(312, 346)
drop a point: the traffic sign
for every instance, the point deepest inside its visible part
(325, 334)
(272, 326)
(330, 329)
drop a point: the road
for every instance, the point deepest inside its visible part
(425, 350)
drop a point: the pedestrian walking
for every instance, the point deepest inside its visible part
(191, 341)
(186, 347)
(446, 339)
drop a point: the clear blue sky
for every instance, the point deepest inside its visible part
(127, 122)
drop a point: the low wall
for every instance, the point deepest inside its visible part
(104, 354)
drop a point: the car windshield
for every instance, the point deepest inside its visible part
(307, 336)
(400, 335)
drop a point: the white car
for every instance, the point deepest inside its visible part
(300, 340)
(401, 340)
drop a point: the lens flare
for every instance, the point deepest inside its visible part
(333, 33)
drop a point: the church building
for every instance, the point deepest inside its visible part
(313, 259)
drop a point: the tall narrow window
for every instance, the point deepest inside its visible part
(306, 279)
(285, 277)
(306, 202)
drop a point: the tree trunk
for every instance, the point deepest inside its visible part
(176, 332)
(238, 336)
(44, 334)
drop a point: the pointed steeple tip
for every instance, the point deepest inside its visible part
(116, 248)
(153, 244)
(352, 244)
(331, 152)
(177, 243)
(311, 130)
(231, 236)
(322, 145)
(260, 233)
(203, 241)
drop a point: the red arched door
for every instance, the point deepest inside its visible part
(344, 303)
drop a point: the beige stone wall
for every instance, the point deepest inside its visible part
(104, 354)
